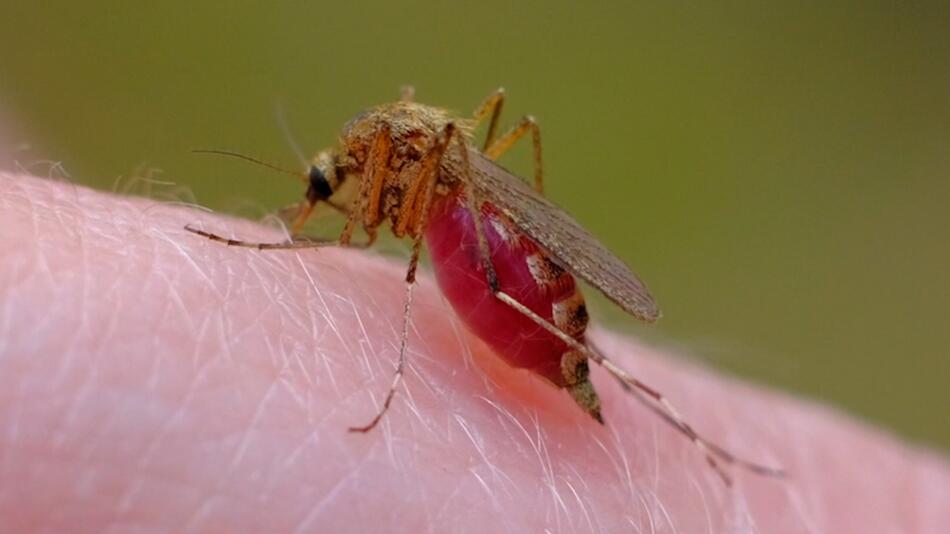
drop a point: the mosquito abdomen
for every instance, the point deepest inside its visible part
(526, 273)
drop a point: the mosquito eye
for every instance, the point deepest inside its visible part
(319, 186)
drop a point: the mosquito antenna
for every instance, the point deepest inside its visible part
(256, 161)
(288, 133)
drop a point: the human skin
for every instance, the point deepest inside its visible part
(151, 380)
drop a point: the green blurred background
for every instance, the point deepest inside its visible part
(778, 173)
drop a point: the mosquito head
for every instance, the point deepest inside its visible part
(319, 188)
(324, 177)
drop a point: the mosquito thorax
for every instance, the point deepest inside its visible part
(388, 144)
(412, 128)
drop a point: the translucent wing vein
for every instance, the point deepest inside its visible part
(561, 236)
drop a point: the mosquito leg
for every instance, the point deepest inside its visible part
(430, 176)
(303, 212)
(412, 211)
(653, 399)
(292, 214)
(375, 173)
(427, 177)
(370, 239)
(403, 341)
(495, 148)
(371, 235)
(506, 141)
(493, 105)
(400, 366)
(284, 245)
(288, 214)
(365, 204)
(306, 209)
(672, 416)
(645, 395)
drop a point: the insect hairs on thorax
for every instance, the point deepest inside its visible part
(394, 139)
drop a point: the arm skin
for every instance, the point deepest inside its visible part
(153, 381)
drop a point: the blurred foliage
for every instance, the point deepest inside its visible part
(777, 172)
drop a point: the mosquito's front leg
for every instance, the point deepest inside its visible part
(296, 215)
(289, 213)
(304, 211)
(416, 211)
(401, 363)
(282, 245)
(295, 241)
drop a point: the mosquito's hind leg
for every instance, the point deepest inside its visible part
(492, 105)
(401, 363)
(650, 397)
(506, 141)
(495, 148)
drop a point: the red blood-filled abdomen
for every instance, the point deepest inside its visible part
(524, 271)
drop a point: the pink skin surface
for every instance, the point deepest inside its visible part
(456, 260)
(154, 381)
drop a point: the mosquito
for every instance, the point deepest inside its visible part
(504, 256)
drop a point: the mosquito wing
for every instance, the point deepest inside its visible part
(561, 236)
